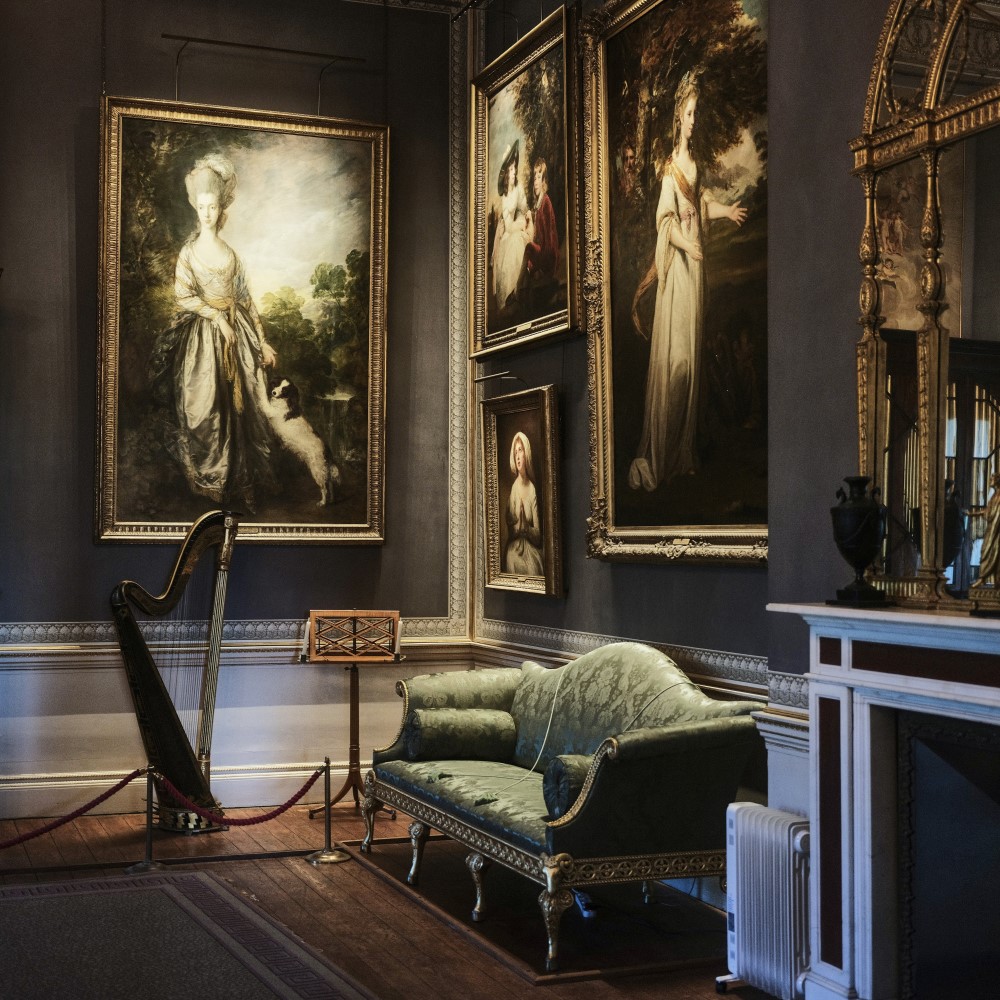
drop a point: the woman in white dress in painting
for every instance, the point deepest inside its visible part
(214, 354)
(512, 230)
(667, 445)
(524, 531)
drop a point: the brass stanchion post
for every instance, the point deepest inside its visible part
(148, 865)
(329, 854)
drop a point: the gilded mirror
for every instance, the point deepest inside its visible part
(929, 353)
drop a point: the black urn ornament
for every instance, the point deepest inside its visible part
(859, 521)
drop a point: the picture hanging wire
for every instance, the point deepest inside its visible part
(189, 39)
(503, 376)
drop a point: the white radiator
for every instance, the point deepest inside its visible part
(767, 875)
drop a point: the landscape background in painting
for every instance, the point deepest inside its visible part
(724, 42)
(301, 223)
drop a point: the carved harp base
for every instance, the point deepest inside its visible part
(173, 820)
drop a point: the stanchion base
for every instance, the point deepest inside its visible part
(140, 867)
(332, 857)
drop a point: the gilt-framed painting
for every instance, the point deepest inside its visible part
(242, 323)
(675, 140)
(525, 222)
(522, 509)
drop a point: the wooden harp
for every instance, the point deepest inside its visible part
(168, 746)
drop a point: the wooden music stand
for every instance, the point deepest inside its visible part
(353, 637)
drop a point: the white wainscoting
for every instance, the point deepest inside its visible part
(68, 731)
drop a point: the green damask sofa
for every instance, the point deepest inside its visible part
(613, 768)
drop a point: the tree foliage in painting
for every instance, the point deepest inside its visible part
(538, 111)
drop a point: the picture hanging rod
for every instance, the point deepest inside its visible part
(263, 48)
(189, 39)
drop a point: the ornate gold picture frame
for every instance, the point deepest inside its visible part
(525, 206)
(675, 147)
(242, 323)
(522, 523)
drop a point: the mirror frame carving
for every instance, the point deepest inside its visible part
(894, 131)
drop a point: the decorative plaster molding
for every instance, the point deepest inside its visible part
(788, 690)
(739, 668)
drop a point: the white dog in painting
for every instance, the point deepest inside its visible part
(295, 433)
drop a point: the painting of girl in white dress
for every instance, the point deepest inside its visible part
(667, 446)
(686, 271)
(243, 323)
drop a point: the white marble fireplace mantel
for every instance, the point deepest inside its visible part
(865, 667)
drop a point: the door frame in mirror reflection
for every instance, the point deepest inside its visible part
(925, 95)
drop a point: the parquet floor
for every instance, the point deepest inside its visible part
(372, 931)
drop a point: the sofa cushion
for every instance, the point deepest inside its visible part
(501, 800)
(459, 734)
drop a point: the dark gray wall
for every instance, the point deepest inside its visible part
(821, 59)
(50, 53)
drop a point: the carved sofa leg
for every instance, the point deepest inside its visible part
(419, 832)
(555, 899)
(369, 807)
(478, 866)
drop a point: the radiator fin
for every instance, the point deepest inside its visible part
(767, 873)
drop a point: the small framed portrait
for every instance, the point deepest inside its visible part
(525, 207)
(242, 323)
(520, 441)
(675, 112)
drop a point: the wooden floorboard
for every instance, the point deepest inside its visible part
(388, 942)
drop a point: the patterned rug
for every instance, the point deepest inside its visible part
(163, 935)
(623, 936)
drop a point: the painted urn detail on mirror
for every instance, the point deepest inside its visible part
(859, 521)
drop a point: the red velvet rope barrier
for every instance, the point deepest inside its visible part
(221, 820)
(167, 784)
(76, 814)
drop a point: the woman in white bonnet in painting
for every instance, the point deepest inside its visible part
(524, 546)
(214, 353)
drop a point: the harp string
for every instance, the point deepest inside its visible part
(181, 665)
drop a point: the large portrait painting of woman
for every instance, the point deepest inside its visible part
(524, 202)
(242, 326)
(520, 440)
(677, 112)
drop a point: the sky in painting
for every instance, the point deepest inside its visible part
(300, 201)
